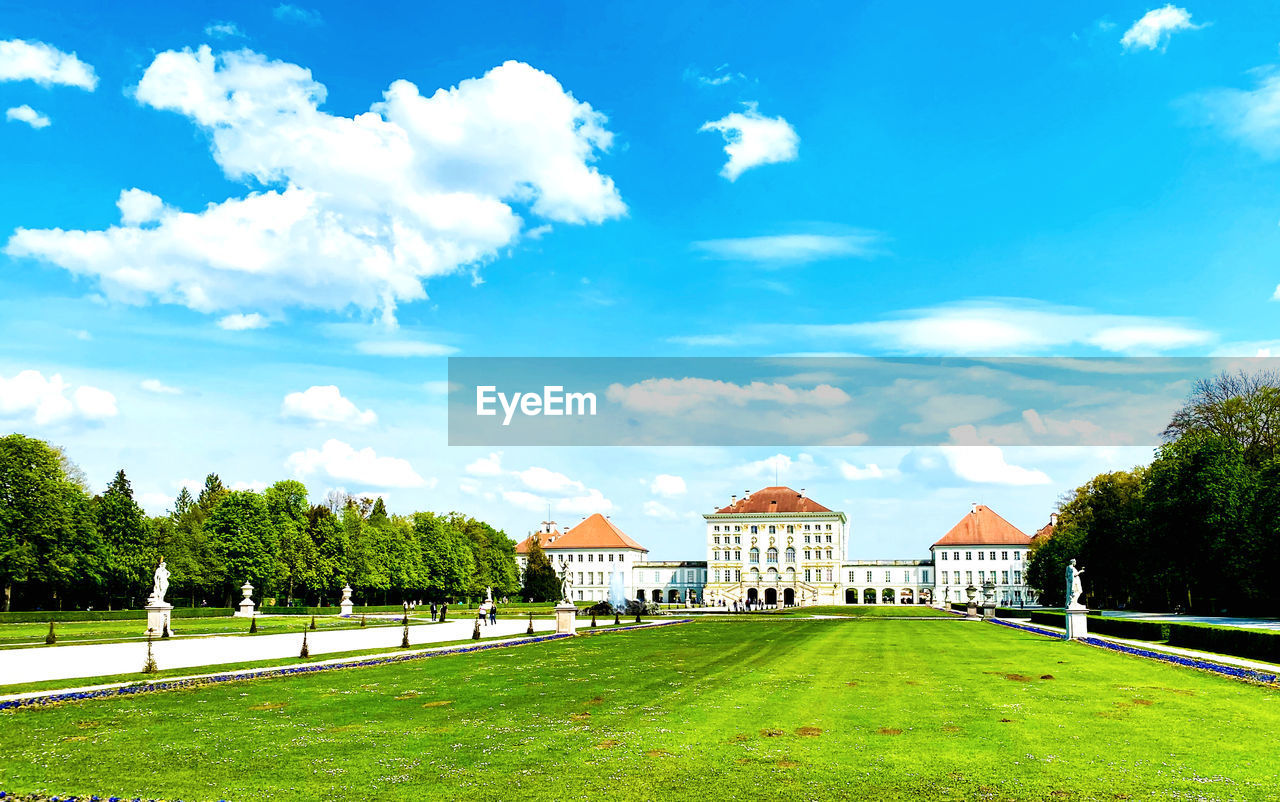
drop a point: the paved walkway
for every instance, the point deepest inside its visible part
(1222, 621)
(1208, 657)
(104, 659)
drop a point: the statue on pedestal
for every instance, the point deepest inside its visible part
(1074, 588)
(566, 586)
(161, 585)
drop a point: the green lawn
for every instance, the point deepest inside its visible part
(78, 631)
(866, 611)
(730, 708)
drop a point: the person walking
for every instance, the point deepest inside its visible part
(433, 612)
(444, 612)
(493, 614)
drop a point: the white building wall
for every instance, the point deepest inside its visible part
(591, 570)
(960, 566)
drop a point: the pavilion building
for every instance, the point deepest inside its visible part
(983, 547)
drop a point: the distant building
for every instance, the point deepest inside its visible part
(592, 552)
(669, 581)
(775, 546)
(983, 546)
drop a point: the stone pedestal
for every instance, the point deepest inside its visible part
(345, 606)
(158, 614)
(246, 604)
(566, 619)
(1077, 624)
(972, 611)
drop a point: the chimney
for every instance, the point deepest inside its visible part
(973, 507)
(1053, 519)
(733, 499)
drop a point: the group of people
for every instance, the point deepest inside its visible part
(487, 610)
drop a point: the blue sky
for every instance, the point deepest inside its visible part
(1078, 179)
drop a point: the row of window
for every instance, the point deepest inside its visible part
(773, 529)
(810, 575)
(888, 576)
(982, 577)
(590, 558)
(968, 555)
(738, 539)
(771, 556)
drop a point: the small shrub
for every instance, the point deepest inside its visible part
(616, 619)
(593, 619)
(253, 625)
(529, 631)
(1256, 644)
(362, 619)
(51, 638)
(475, 633)
(149, 667)
(313, 622)
(305, 651)
(404, 640)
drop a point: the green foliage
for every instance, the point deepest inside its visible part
(540, 581)
(1256, 644)
(243, 541)
(52, 637)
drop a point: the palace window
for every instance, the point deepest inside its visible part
(980, 555)
(828, 536)
(736, 540)
(610, 558)
(1015, 555)
(715, 555)
(773, 530)
(717, 540)
(828, 527)
(944, 554)
(717, 528)
(717, 575)
(755, 554)
(968, 555)
(771, 555)
(868, 576)
(993, 555)
(982, 577)
(755, 530)
(828, 554)
(806, 527)
(925, 580)
(968, 577)
(737, 555)
(1004, 577)
(808, 555)
(906, 576)
(944, 578)
(790, 529)
(851, 579)
(1004, 555)
(791, 554)
(737, 575)
(806, 538)
(590, 557)
(806, 575)
(887, 577)
(828, 574)
(1017, 577)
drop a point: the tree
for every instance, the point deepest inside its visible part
(540, 581)
(124, 533)
(287, 507)
(447, 554)
(1241, 407)
(242, 538)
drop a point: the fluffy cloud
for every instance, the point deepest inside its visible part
(1155, 28)
(29, 396)
(243, 322)
(1013, 327)
(1251, 116)
(667, 485)
(291, 13)
(676, 396)
(25, 60)
(790, 248)
(138, 206)
(540, 488)
(987, 465)
(159, 388)
(751, 139)
(871, 470)
(340, 462)
(325, 404)
(780, 467)
(223, 29)
(403, 348)
(28, 115)
(486, 466)
(350, 211)
(544, 480)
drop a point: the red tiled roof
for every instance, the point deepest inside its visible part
(1045, 532)
(982, 527)
(596, 532)
(773, 499)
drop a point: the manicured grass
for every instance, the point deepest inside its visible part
(731, 708)
(74, 631)
(867, 611)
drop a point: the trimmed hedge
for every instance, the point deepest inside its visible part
(27, 617)
(357, 610)
(1050, 618)
(1257, 644)
(1118, 627)
(1012, 612)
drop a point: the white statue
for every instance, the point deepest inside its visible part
(946, 594)
(1074, 588)
(161, 585)
(566, 585)
(488, 595)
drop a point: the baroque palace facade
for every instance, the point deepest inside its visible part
(777, 546)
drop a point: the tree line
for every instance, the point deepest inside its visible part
(62, 547)
(1198, 529)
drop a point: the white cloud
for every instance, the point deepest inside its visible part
(675, 396)
(223, 30)
(987, 465)
(656, 509)
(243, 322)
(29, 396)
(751, 139)
(158, 387)
(791, 248)
(1155, 28)
(592, 501)
(871, 470)
(487, 466)
(138, 206)
(291, 13)
(719, 76)
(667, 485)
(780, 467)
(325, 404)
(403, 348)
(28, 115)
(1013, 327)
(1251, 116)
(339, 461)
(347, 212)
(544, 480)
(27, 60)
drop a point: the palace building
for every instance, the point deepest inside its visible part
(777, 546)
